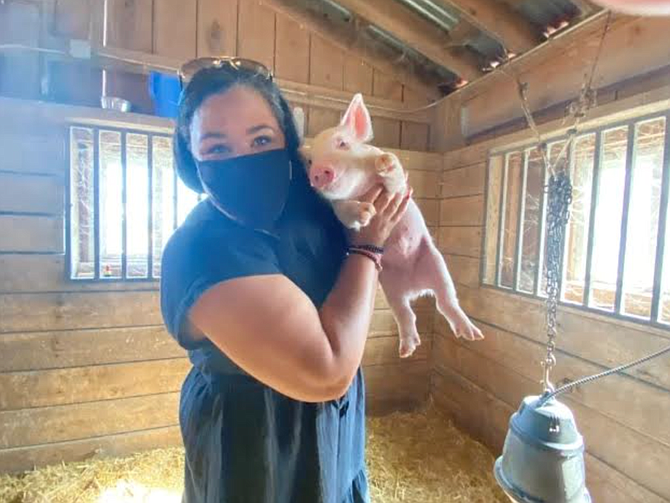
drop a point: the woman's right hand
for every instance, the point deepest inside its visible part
(389, 210)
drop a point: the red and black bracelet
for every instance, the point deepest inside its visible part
(371, 248)
(375, 257)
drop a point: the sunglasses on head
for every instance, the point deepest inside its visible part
(190, 68)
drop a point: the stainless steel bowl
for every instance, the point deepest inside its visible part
(114, 103)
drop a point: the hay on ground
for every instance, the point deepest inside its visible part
(423, 457)
(415, 457)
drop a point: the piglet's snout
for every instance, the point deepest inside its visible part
(321, 176)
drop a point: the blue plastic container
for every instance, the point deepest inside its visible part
(164, 91)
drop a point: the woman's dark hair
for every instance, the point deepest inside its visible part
(211, 81)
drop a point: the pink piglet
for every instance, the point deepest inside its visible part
(342, 168)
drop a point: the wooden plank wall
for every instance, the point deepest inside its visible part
(19, 72)
(87, 369)
(183, 29)
(482, 383)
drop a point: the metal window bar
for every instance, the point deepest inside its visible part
(124, 208)
(69, 245)
(630, 153)
(97, 182)
(485, 236)
(518, 253)
(96, 203)
(595, 180)
(501, 217)
(662, 223)
(150, 174)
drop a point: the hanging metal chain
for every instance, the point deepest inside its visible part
(559, 198)
(558, 213)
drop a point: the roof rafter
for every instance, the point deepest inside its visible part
(349, 41)
(413, 30)
(499, 21)
(586, 7)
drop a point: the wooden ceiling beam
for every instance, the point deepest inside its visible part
(353, 44)
(499, 21)
(462, 33)
(416, 32)
(515, 4)
(585, 7)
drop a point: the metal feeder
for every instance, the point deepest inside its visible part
(543, 456)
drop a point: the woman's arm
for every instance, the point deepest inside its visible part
(271, 329)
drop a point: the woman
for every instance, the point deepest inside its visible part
(271, 299)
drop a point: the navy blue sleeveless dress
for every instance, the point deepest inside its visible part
(245, 442)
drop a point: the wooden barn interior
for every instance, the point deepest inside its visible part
(86, 366)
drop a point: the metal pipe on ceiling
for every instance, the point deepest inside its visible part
(435, 13)
(334, 5)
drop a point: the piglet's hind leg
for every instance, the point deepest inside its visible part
(406, 321)
(431, 265)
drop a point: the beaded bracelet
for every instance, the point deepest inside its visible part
(375, 258)
(371, 248)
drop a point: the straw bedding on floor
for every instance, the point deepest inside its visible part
(412, 457)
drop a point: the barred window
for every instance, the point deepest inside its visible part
(615, 258)
(125, 201)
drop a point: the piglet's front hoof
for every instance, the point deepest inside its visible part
(408, 346)
(366, 212)
(385, 163)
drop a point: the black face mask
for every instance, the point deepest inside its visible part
(250, 189)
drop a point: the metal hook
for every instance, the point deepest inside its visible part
(547, 364)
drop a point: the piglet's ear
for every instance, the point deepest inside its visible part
(357, 118)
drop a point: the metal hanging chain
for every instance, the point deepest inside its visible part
(559, 195)
(559, 198)
(558, 214)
